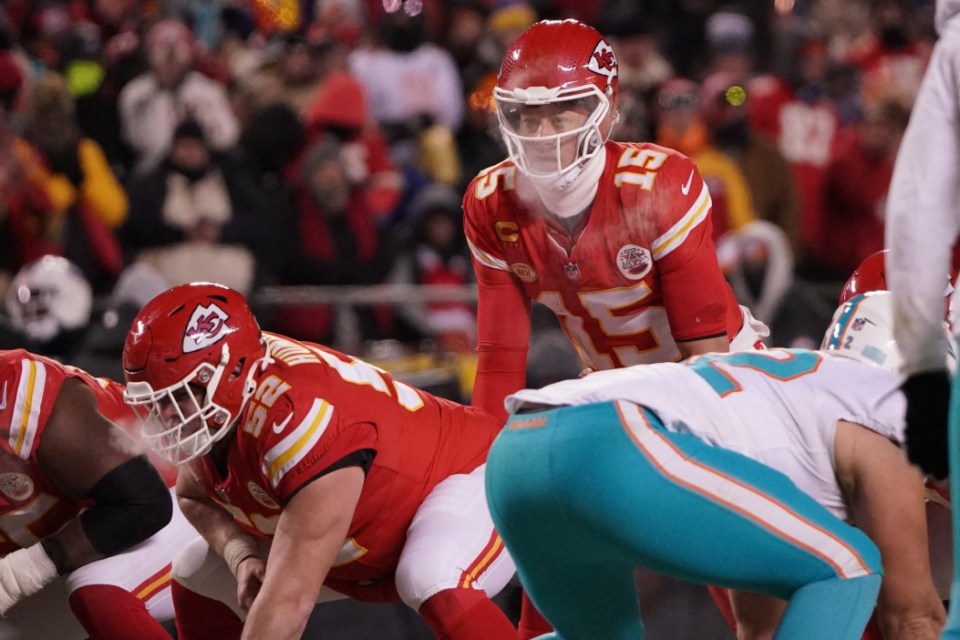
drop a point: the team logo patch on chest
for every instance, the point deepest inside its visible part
(634, 261)
(16, 486)
(524, 271)
(260, 495)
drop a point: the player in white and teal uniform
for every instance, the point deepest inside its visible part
(721, 470)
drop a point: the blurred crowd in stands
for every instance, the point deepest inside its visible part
(326, 142)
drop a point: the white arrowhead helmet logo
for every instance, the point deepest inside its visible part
(603, 60)
(208, 325)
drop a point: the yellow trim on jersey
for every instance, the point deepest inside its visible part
(292, 449)
(486, 259)
(26, 410)
(151, 589)
(676, 234)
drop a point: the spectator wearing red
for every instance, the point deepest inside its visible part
(855, 190)
(333, 239)
(890, 57)
(795, 111)
(340, 109)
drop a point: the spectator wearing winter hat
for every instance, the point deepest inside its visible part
(436, 253)
(340, 109)
(333, 239)
(681, 126)
(197, 216)
(724, 101)
(172, 90)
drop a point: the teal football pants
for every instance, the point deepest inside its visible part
(581, 495)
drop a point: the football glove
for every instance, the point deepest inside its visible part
(928, 405)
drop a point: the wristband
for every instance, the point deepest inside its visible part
(23, 573)
(237, 550)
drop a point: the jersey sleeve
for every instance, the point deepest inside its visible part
(922, 217)
(479, 227)
(312, 439)
(503, 337)
(503, 309)
(695, 293)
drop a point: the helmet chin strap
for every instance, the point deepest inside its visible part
(570, 193)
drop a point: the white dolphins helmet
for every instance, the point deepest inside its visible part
(862, 328)
(48, 297)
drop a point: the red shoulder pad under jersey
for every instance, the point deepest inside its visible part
(490, 215)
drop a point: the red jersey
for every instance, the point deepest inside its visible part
(313, 407)
(639, 272)
(805, 131)
(31, 506)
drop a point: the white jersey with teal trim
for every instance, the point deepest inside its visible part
(779, 406)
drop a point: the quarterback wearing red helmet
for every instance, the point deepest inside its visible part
(614, 237)
(311, 475)
(539, 81)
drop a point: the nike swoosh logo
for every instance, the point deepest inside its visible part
(685, 189)
(278, 427)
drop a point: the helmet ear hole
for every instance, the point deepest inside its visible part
(237, 369)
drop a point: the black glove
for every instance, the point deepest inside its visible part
(928, 404)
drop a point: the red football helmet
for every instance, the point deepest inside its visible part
(190, 361)
(556, 62)
(871, 275)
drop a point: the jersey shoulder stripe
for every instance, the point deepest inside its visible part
(24, 424)
(287, 453)
(486, 259)
(675, 235)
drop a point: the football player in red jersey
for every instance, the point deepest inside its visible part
(615, 238)
(87, 526)
(310, 475)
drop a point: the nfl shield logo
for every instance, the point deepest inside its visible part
(572, 270)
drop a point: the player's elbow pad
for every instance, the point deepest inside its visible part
(131, 504)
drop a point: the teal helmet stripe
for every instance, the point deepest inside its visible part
(839, 328)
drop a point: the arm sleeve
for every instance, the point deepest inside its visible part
(503, 337)
(922, 214)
